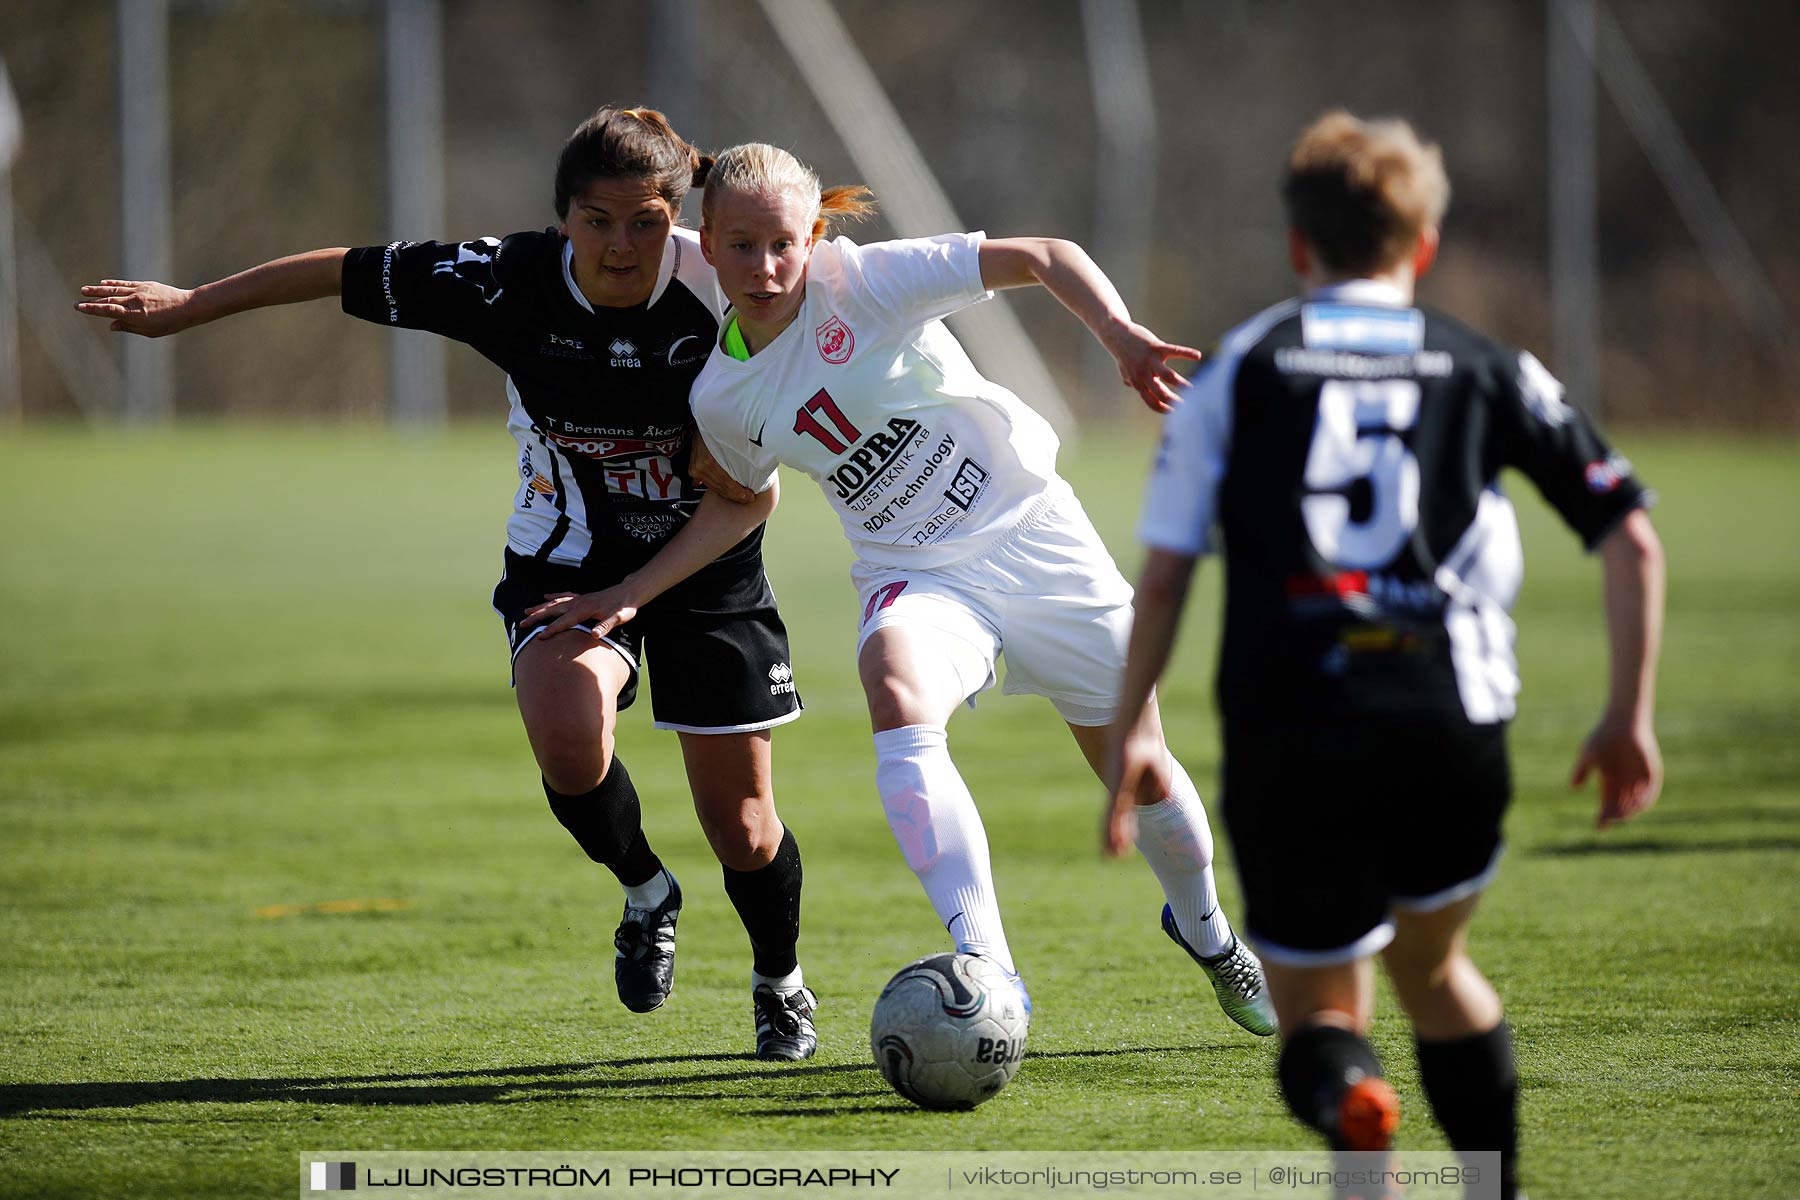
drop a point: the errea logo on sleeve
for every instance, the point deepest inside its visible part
(781, 679)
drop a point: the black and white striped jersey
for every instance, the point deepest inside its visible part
(599, 396)
(1347, 447)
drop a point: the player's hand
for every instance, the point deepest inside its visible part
(1625, 752)
(1129, 762)
(1143, 361)
(562, 611)
(139, 306)
(705, 470)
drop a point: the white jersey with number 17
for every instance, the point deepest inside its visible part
(925, 461)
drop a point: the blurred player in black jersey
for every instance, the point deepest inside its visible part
(1344, 448)
(601, 325)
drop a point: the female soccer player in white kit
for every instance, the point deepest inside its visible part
(837, 363)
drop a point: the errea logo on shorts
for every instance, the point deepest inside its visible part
(781, 679)
(625, 353)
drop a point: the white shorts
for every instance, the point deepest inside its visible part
(1048, 595)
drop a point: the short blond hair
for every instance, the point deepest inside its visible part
(1361, 192)
(759, 169)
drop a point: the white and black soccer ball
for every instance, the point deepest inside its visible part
(949, 1030)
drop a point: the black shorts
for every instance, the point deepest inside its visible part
(1335, 827)
(717, 642)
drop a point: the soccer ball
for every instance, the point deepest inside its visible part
(949, 1030)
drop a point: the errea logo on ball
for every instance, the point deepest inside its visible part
(781, 679)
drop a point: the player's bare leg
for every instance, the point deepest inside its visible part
(567, 689)
(914, 681)
(1155, 784)
(732, 780)
(909, 678)
(1329, 1074)
(1342, 996)
(1176, 840)
(1464, 1045)
(1440, 987)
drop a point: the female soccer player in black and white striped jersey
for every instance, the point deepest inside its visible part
(601, 325)
(1342, 451)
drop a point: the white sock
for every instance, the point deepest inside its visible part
(1178, 844)
(934, 819)
(650, 893)
(782, 984)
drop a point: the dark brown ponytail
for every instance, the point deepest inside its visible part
(628, 143)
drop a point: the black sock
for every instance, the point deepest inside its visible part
(1315, 1067)
(607, 823)
(1473, 1087)
(768, 902)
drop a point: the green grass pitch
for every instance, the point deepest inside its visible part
(248, 668)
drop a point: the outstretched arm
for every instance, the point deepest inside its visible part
(1083, 288)
(157, 309)
(717, 526)
(1161, 594)
(1623, 746)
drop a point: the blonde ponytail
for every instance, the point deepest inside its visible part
(845, 202)
(761, 169)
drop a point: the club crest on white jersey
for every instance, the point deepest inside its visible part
(836, 341)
